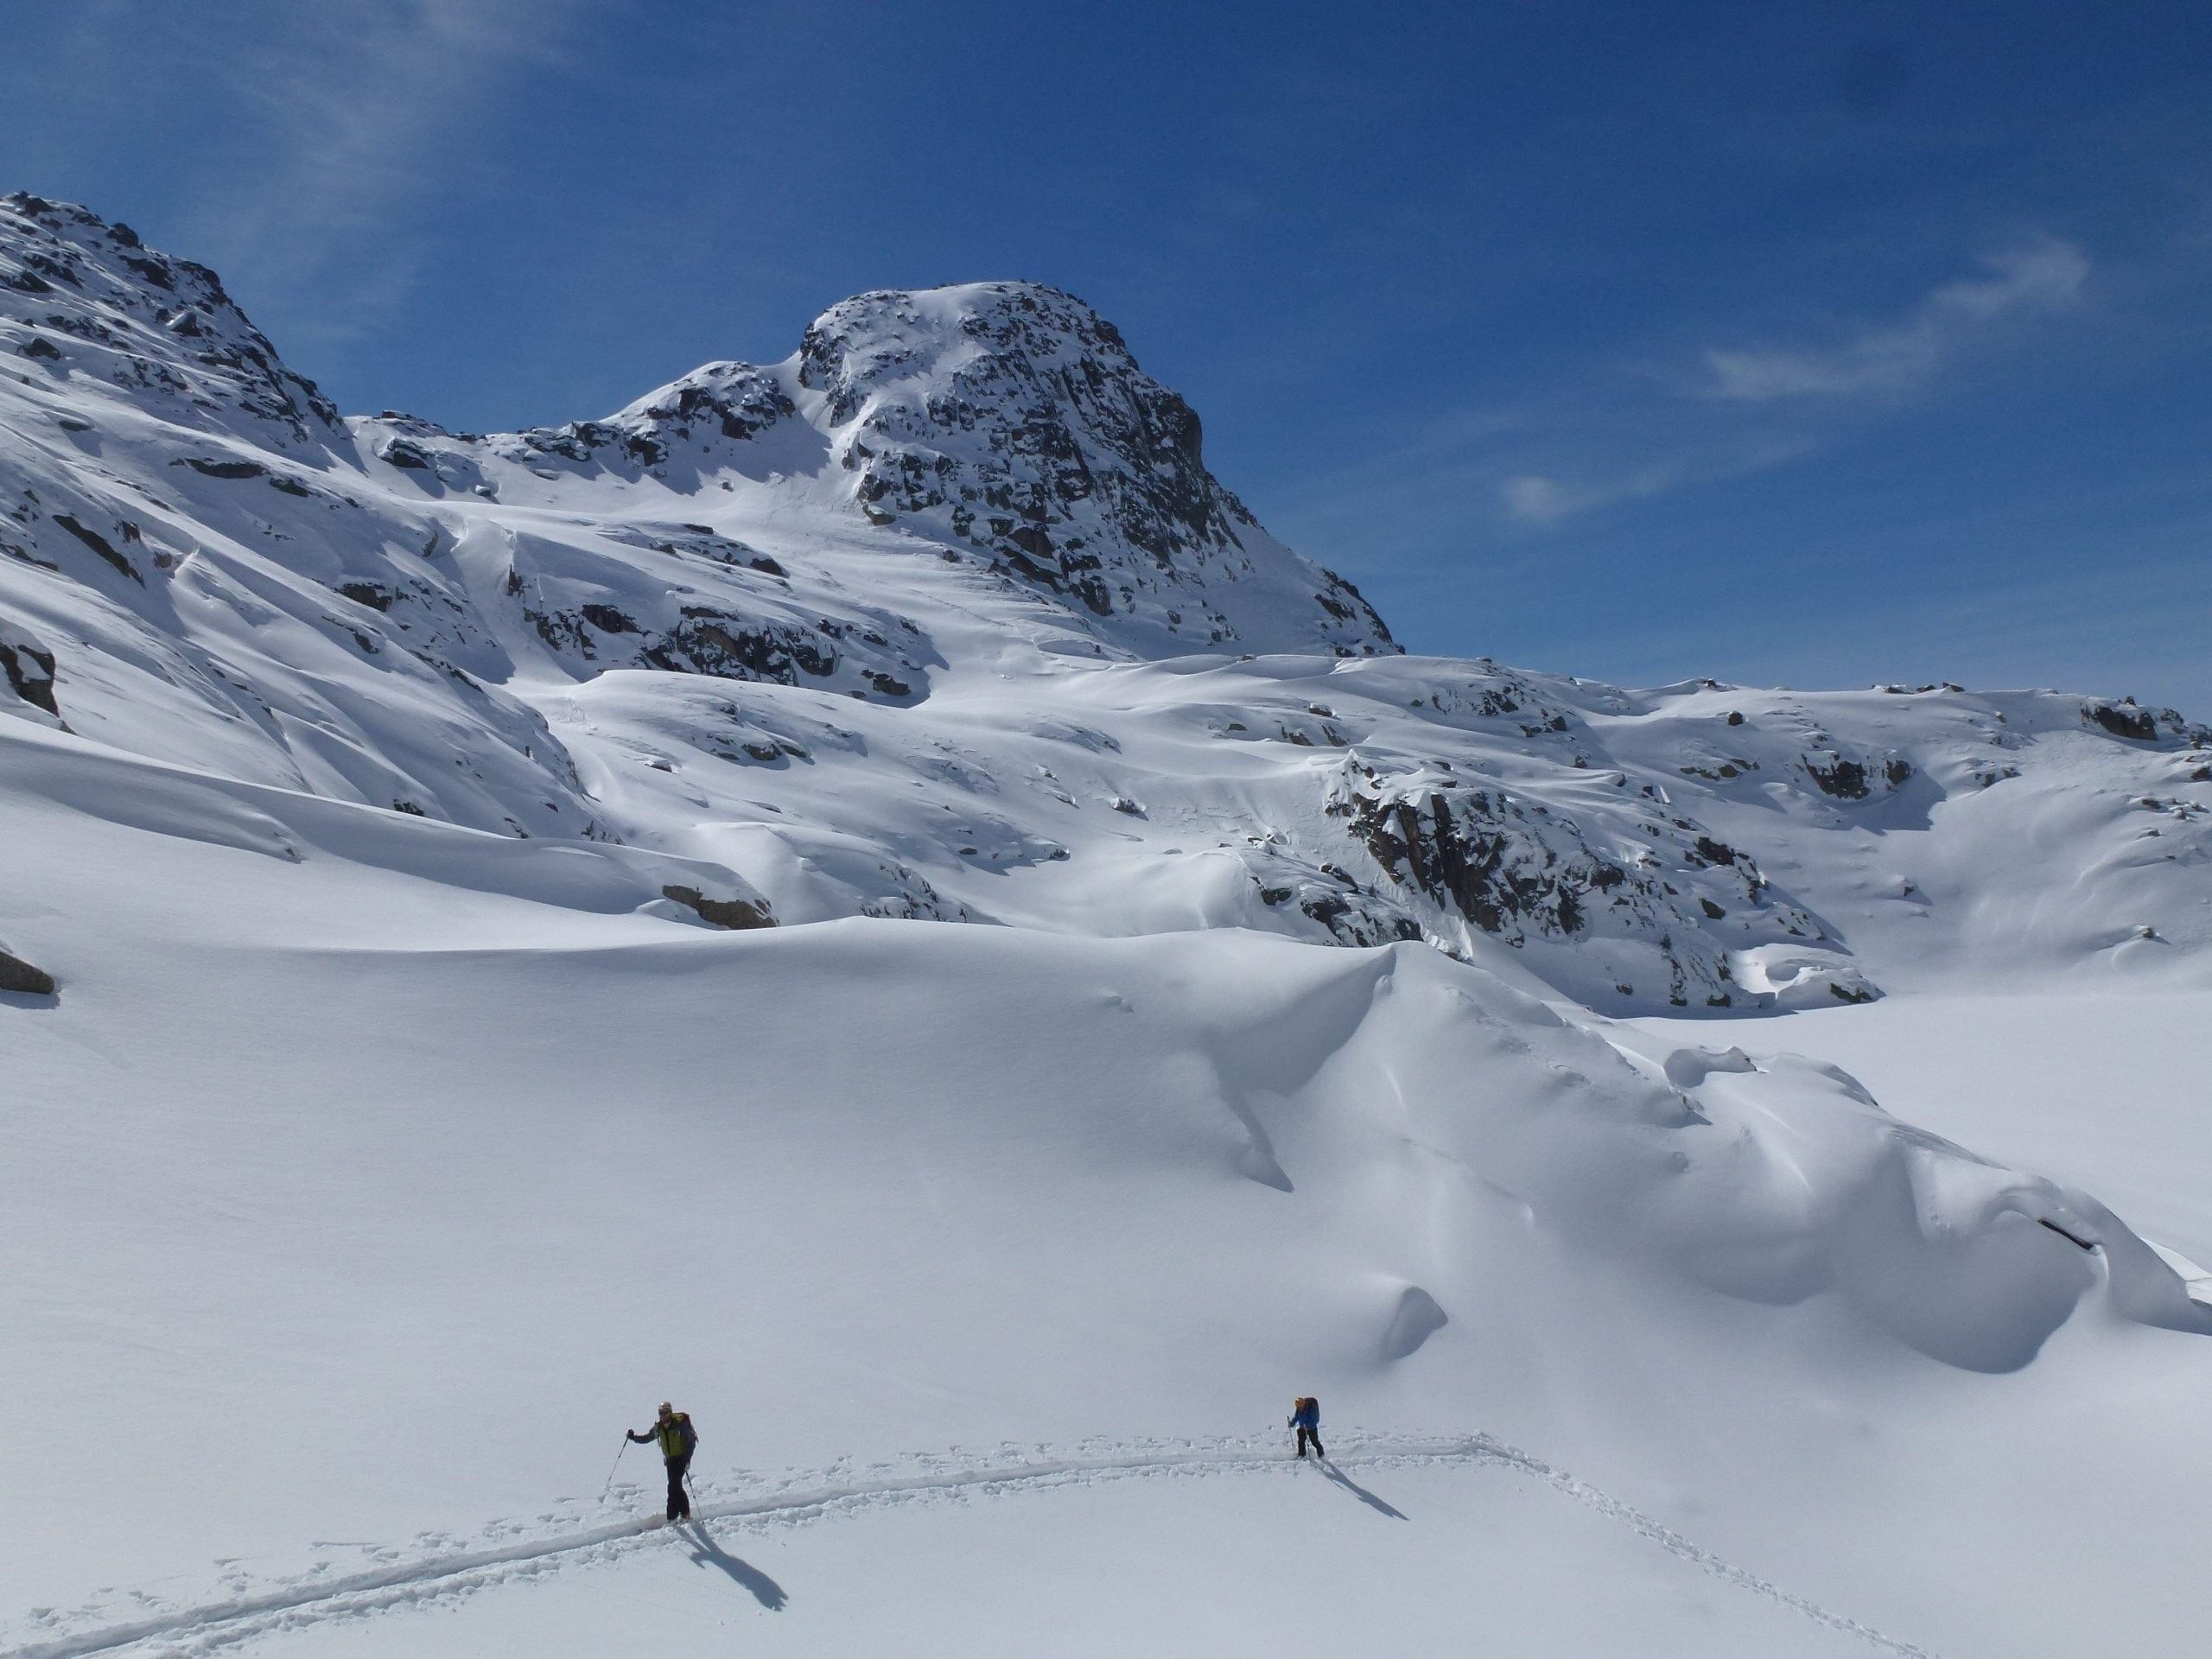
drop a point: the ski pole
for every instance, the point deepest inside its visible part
(617, 1463)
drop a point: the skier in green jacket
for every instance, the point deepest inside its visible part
(677, 1440)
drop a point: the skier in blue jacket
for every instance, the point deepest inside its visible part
(1305, 1418)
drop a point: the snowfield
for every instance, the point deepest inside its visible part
(869, 897)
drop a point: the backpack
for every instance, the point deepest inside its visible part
(690, 1435)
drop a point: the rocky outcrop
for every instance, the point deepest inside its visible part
(80, 296)
(636, 626)
(1673, 906)
(2127, 719)
(28, 666)
(1478, 852)
(722, 913)
(684, 423)
(19, 978)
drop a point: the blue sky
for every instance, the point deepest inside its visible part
(1819, 344)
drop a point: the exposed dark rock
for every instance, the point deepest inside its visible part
(722, 913)
(1355, 919)
(223, 469)
(30, 670)
(608, 620)
(18, 976)
(1845, 779)
(1476, 858)
(375, 595)
(2123, 719)
(99, 544)
(736, 648)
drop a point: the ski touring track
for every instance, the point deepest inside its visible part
(292, 1604)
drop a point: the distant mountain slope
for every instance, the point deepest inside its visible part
(944, 617)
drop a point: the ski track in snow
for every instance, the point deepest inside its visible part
(305, 1601)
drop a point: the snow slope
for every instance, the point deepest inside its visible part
(499, 892)
(356, 1205)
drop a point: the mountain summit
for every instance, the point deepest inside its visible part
(1012, 418)
(1005, 422)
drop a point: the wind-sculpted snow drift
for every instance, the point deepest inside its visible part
(381, 800)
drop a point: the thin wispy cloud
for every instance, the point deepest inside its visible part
(1608, 475)
(358, 104)
(1637, 450)
(2044, 276)
(1540, 499)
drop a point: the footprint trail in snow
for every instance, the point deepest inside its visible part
(314, 1599)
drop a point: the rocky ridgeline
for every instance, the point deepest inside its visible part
(80, 296)
(685, 422)
(672, 434)
(1005, 419)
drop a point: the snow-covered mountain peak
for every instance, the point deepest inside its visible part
(767, 620)
(1012, 418)
(893, 340)
(80, 296)
(1006, 422)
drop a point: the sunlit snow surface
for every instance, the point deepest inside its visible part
(1180, 1002)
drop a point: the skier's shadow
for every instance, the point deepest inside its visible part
(1379, 1505)
(706, 1553)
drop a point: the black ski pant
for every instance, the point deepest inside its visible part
(1312, 1434)
(679, 1500)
